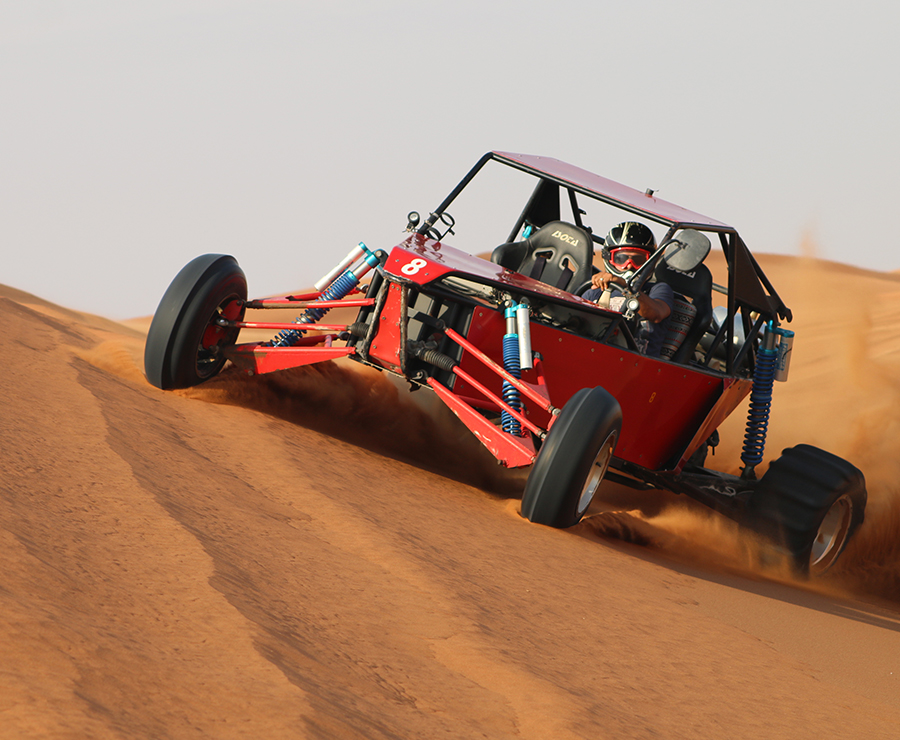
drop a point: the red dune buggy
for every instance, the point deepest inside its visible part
(543, 377)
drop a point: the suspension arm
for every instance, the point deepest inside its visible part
(523, 387)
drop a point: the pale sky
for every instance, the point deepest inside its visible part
(137, 135)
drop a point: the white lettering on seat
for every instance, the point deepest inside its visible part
(562, 236)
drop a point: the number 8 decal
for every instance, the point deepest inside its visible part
(414, 266)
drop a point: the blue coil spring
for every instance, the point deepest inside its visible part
(760, 404)
(508, 423)
(337, 290)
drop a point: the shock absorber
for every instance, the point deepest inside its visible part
(508, 422)
(339, 287)
(760, 403)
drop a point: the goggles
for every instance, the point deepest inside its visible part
(624, 258)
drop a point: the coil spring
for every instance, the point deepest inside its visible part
(508, 423)
(760, 404)
(337, 290)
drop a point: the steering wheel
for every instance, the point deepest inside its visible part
(586, 286)
(631, 305)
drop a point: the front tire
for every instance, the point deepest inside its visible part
(810, 503)
(185, 344)
(573, 459)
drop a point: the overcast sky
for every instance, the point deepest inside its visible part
(137, 135)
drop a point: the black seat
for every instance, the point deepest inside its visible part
(697, 286)
(559, 253)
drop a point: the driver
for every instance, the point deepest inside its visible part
(628, 246)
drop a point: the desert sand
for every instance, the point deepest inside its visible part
(320, 554)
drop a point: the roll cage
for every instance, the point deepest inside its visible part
(749, 293)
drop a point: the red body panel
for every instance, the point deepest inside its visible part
(442, 259)
(663, 403)
(385, 346)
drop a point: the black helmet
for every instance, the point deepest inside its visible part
(627, 246)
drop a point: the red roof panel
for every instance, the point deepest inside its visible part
(613, 192)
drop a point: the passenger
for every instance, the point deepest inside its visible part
(627, 247)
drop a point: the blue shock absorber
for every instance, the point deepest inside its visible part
(341, 286)
(508, 423)
(760, 403)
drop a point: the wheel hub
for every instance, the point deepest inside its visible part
(596, 474)
(832, 535)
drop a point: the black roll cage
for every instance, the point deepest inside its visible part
(749, 290)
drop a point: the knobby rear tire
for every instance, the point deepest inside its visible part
(810, 502)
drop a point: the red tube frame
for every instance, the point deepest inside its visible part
(307, 302)
(500, 402)
(542, 401)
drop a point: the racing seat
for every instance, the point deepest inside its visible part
(559, 253)
(690, 320)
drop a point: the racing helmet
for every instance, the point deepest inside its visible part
(627, 246)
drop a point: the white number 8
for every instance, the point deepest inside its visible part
(413, 267)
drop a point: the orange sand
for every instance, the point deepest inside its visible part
(319, 554)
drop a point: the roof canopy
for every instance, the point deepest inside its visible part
(609, 191)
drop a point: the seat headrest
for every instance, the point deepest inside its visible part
(696, 283)
(562, 235)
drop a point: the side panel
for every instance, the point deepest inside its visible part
(663, 404)
(735, 391)
(391, 332)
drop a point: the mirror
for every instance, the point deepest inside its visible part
(686, 250)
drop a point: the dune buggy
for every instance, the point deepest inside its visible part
(541, 376)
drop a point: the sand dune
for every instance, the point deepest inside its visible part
(318, 553)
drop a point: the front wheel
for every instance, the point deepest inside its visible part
(573, 459)
(810, 503)
(185, 343)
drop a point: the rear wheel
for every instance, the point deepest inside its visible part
(573, 459)
(810, 502)
(185, 344)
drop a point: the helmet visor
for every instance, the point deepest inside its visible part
(628, 257)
